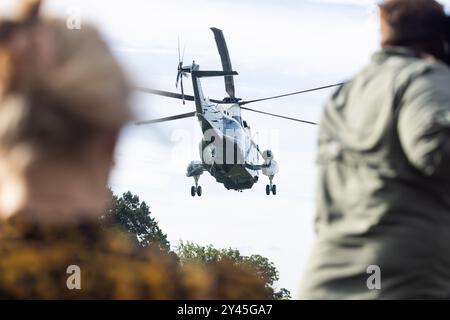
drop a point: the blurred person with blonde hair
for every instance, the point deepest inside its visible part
(63, 101)
(383, 204)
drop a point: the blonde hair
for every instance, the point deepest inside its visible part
(58, 87)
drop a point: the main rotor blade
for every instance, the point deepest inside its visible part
(166, 119)
(278, 116)
(172, 94)
(243, 103)
(226, 61)
(166, 94)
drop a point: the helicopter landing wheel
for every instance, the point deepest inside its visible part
(196, 191)
(268, 190)
(271, 188)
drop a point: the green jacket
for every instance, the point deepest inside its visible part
(384, 183)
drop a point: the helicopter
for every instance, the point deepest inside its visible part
(227, 150)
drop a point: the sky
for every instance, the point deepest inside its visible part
(277, 46)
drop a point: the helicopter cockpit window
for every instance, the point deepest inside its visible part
(238, 119)
(230, 124)
(245, 124)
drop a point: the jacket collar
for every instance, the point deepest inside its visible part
(387, 52)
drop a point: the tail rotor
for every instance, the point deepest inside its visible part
(181, 73)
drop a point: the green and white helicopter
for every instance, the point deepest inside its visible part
(227, 150)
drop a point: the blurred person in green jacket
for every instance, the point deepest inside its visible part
(383, 202)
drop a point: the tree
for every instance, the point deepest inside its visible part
(133, 216)
(264, 268)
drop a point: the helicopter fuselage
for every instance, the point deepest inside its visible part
(227, 147)
(227, 150)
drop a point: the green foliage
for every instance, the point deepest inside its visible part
(132, 215)
(193, 253)
(282, 294)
